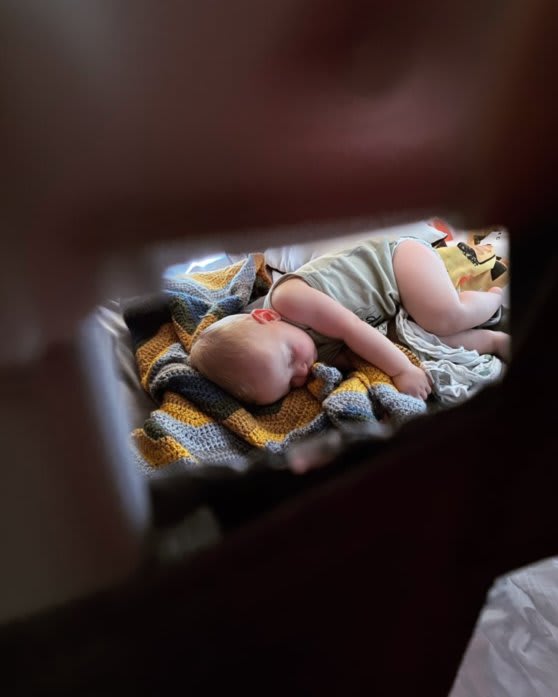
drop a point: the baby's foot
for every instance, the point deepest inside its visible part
(502, 346)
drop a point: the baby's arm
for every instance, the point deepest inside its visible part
(298, 302)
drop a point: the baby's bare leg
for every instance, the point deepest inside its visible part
(428, 295)
(481, 340)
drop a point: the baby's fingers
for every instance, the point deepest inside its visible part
(425, 391)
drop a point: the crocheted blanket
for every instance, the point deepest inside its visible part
(197, 422)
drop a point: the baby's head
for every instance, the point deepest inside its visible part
(256, 357)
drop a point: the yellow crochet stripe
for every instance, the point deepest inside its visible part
(160, 452)
(361, 380)
(261, 269)
(155, 347)
(220, 278)
(183, 410)
(215, 280)
(299, 408)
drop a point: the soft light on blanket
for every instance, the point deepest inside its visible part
(199, 422)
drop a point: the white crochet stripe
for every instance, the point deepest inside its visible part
(456, 373)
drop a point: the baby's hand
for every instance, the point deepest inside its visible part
(413, 381)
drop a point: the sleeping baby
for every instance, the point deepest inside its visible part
(329, 309)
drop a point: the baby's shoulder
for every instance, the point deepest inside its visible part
(289, 284)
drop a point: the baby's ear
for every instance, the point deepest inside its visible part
(263, 316)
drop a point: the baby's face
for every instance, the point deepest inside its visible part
(282, 360)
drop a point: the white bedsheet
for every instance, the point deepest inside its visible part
(514, 649)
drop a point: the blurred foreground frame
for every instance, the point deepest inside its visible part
(370, 580)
